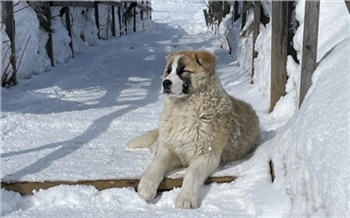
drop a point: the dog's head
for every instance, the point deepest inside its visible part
(188, 72)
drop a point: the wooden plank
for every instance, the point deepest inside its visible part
(256, 30)
(166, 184)
(278, 51)
(143, 7)
(112, 3)
(11, 32)
(308, 62)
(49, 44)
(85, 4)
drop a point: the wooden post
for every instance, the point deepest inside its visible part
(126, 19)
(244, 13)
(69, 28)
(120, 21)
(11, 32)
(113, 21)
(97, 19)
(134, 18)
(256, 29)
(308, 62)
(278, 51)
(49, 44)
(291, 27)
(347, 3)
(235, 9)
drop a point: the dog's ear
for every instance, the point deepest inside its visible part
(171, 54)
(206, 59)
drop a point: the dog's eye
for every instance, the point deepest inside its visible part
(167, 72)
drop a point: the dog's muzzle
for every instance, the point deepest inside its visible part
(167, 86)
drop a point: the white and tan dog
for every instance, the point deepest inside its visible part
(201, 126)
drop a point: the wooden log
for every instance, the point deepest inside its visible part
(256, 30)
(11, 32)
(278, 51)
(308, 62)
(165, 185)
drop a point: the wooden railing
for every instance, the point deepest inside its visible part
(281, 41)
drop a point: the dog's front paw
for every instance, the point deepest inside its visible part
(186, 201)
(147, 188)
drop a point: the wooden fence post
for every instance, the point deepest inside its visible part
(278, 51)
(256, 29)
(235, 11)
(244, 13)
(308, 62)
(291, 27)
(347, 3)
(49, 44)
(11, 32)
(113, 21)
(120, 21)
(69, 28)
(126, 19)
(134, 18)
(97, 19)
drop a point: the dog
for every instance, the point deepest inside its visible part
(201, 127)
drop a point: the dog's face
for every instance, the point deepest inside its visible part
(188, 72)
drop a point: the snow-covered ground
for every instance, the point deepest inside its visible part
(73, 123)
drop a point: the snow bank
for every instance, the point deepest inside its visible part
(32, 39)
(312, 148)
(6, 67)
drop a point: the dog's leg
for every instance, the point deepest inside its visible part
(162, 163)
(197, 173)
(144, 141)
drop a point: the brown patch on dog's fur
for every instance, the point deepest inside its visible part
(196, 61)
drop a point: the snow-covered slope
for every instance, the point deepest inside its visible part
(74, 121)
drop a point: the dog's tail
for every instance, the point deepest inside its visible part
(147, 140)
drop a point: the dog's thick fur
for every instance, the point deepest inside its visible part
(201, 126)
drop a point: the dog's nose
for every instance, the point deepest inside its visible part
(166, 84)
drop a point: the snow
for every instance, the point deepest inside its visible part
(73, 122)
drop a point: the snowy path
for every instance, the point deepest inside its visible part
(73, 123)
